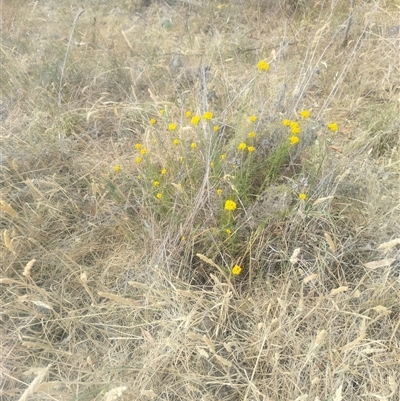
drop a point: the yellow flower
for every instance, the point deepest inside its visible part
(251, 149)
(117, 167)
(152, 121)
(188, 113)
(143, 151)
(163, 171)
(212, 164)
(230, 205)
(159, 195)
(139, 177)
(181, 159)
(236, 270)
(253, 119)
(216, 128)
(263, 65)
(305, 113)
(193, 145)
(138, 146)
(251, 134)
(138, 160)
(242, 146)
(195, 120)
(223, 157)
(294, 139)
(295, 130)
(175, 141)
(333, 126)
(219, 191)
(208, 115)
(172, 127)
(228, 231)
(295, 127)
(286, 122)
(156, 183)
(162, 112)
(302, 196)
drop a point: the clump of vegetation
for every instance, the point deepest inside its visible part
(200, 201)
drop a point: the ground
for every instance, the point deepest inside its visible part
(200, 200)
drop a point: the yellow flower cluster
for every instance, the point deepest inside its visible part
(263, 65)
(242, 146)
(208, 115)
(333, 126)
(195, 120)
(230, 205)
(236, 270)
(171, 127)
(304, 114)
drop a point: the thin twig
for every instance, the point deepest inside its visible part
(66, 55)
(349, 20)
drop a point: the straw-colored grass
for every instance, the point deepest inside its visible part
(126, 274)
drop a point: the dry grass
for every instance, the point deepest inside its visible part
(104, 295)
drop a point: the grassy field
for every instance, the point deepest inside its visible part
(200, 200)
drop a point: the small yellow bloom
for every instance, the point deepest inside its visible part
(230, 205)
(195, 120)
(163, 171)
(143, 151)
(138, 146)
(117, 167)
(251, 134)
(295, 127)
(188, 113)
(212, 164)
(216, 128)
(139, 177)
(172, 127)
(156, 183)
(251, 149)
(305, 114)
(263, 65)
(162, 112)
(219, 191)
(223, 157)
(193, 145)
(159, 195)
(228, 231)
(181, 159)
(175, 141)
(333, 126)
(152, 121)
(242, 146)
(138, 160)
(303, 196)
(294, 139)
(294, 124)
(286, 122)
(236, 270)
(253, 119)
(208, 115)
